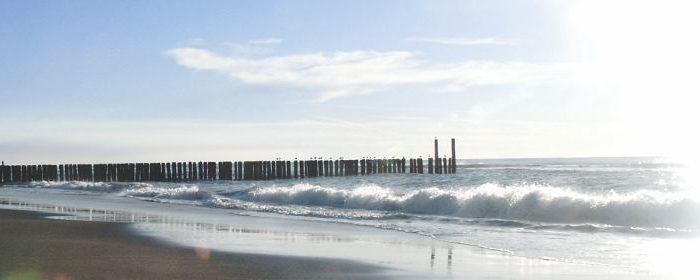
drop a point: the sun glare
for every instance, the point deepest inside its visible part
(640, 56)
(674, 258)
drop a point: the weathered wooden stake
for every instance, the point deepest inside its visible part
(454, 157)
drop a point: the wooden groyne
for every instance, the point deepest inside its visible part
(225, 170)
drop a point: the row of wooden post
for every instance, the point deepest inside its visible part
(227, 170)
(202, 171)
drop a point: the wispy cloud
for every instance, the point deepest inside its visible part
(461, 41)
(253, 47)
(338, 74)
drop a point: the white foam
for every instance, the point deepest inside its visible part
(521, 202)
(178, 192)
(71, 185)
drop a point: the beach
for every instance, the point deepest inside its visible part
(566, 222)
(36, 248)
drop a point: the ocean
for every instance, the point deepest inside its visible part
(629, 216)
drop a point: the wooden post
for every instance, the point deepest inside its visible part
(155, 172)
(226, 171)
(222, 172)
(40, 175)
(310, 168)
(25, 174)
(13, 173)
(189, 171)
(151, 171)
(245, 170)
(454, 157)
(37, 173)
(61, 173)
(109, 172)
(301, 169)
(129, 171)
(113, 172)
(138, 172)
(74, 172)
(257, 168)
(278, 170)
(51, 174)
(99, 173)
(16, 173)
(296, 168)
(317, 168)
(436, 167)
(178, 177)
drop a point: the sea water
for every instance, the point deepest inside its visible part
(637, 214)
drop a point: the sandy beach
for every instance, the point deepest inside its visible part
(37, 248)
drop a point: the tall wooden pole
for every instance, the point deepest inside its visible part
(437, 158)
(454, 157)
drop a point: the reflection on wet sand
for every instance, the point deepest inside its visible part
(168, 222)
(403, 253)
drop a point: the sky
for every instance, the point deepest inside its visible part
(105, 81)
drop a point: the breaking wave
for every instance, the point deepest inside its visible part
(522, 202)
(89, 186)
(180, 192)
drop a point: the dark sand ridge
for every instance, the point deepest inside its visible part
(32, 247)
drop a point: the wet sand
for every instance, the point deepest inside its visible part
(32, 247)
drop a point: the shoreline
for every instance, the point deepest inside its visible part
(353, 252)
(38, 248)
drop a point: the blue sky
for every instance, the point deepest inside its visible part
(184, 80)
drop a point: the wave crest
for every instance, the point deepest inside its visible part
(180, 192)
(522, 202)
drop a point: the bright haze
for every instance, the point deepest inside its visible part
(96, 81)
